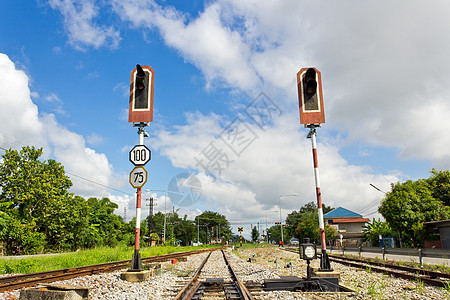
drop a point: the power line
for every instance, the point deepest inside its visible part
(78, 176)
(97, 183)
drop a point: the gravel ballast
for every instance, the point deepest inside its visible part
(165, 285)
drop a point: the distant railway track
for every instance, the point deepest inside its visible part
(196, 288)
(433, 278)
(8, 283)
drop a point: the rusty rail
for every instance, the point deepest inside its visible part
(13, 282)
(192, 286)
(243, 291)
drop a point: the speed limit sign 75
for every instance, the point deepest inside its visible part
(138, 177)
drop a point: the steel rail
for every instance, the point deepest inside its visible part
(386, 269)
(242, 289)
(27, 280)
(429, 273)
(192, 286)
(410, 273)
(189, 290)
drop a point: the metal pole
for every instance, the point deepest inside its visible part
(136, 259)
(324, 260)
(198, 229)
(165, 202)
(281, 223)
(165, 211)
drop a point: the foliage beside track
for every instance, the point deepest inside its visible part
(41, 263)
(409, 205)
(38, 214)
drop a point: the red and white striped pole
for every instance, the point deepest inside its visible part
(136, 259)
(324, 261)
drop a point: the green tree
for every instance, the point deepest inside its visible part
(275, 234)
(66, 223)
(35, 195)
(408, 205)
(372, 231)
(33, 186)
(185, 231)
(108, 225)
(255, 234)
(210, 220)
(158, 224)
(305, 223)
(439, 184)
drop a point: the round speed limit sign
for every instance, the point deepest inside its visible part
(138, 177)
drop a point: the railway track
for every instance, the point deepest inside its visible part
(13, 282)
(433, 278)
(225, 287)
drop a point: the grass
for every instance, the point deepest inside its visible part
(82, 258)
(419, 286)
(372, 290)
(375, 289)
(252, 246)
(446, 288)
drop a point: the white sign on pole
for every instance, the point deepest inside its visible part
(140, 155)
(138, 177)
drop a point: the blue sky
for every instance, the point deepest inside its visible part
(64, 76)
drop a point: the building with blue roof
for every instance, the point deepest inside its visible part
(348, 224)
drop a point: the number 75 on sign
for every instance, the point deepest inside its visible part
(138, 177)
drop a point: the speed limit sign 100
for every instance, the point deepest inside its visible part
(140, 155)
(138, 177)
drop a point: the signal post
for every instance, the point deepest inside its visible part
(312, 115)
(140, 114)
(240, 229)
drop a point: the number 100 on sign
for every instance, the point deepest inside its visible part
(140, 155)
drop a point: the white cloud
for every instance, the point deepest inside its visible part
(385, 75)
(19, 115)
(191, 138)
(125, 203)
(21, 125)
(218, 51)
(384, 82)
(79, 24)
(277, 162)
(52, 98)
(94, 139)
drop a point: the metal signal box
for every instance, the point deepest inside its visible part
(141, 95)
(310, 96)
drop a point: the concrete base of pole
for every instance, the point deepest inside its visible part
(55, 292)
(136, 276)
(321, 273)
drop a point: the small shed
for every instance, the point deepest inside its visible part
(444, 232)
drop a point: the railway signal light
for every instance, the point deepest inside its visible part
(240, 229)
(308, 250)
(309, 84)
(141, 95)
(310, 90)
(140, 78)
(141, 85)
